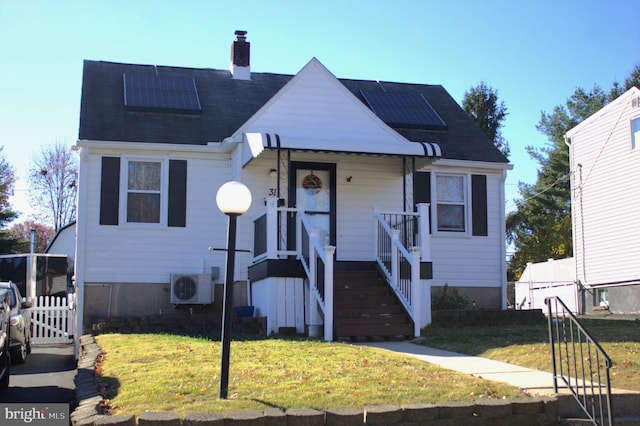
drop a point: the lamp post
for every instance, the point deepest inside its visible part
(233, 199)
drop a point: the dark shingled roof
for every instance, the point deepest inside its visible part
(227, 104)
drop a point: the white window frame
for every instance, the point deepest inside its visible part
(601, 297)
(466, 179)
(634, 129)
(124, 190)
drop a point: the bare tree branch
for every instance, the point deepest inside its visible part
(53, 185)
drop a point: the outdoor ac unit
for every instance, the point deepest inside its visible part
(196, 289)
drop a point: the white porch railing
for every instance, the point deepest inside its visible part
(401, 241)
(317, 261)
(271, 242)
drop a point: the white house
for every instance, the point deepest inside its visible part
(64, 241)
(335, 166)
(605, 200)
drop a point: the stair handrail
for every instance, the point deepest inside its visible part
(391, 264)
(593, 397)
(319, 274)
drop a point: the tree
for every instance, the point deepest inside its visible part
(540, 227)
(8, 244)
(482, 105)
(53, 185)
(43, 235)
(632, 81)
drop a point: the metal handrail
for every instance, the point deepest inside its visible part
(579, 362)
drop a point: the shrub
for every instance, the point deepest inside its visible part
(449, 299)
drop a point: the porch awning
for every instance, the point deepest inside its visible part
(255, 143)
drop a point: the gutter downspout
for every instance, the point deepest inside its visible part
(579, 283)
(80, 253)
(503, 238)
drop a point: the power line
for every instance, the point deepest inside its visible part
(556, 182)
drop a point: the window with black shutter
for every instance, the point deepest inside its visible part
(452, 203)
(145, 193)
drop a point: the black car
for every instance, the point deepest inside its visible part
(5, 357)
(20, 329)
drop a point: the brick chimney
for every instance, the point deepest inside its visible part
(239, 67)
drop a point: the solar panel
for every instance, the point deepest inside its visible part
(151, 92)
(404, 109)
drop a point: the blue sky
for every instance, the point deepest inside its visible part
(534, 53)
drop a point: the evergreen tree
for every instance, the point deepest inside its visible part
(482, 104)
(540, 227)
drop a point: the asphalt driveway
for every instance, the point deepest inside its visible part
(46, 377)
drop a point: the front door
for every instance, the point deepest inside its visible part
(313, 189)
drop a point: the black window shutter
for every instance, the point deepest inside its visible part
(109, 190)
(177, 214)
(479, 205)
(421, 188)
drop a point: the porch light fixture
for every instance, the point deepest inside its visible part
(233, 199)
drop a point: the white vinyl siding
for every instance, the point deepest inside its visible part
(149, 254)
(472, 261)
(334, 116)
(606, 195)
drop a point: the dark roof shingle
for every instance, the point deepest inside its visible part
(228, 103)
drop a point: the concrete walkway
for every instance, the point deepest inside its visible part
(531, 381)
(535, 383)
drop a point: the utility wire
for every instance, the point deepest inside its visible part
(556, 182)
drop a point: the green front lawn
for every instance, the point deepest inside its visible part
(181, 374)
(527, 345)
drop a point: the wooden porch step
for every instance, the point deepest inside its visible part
(355, 302)
(358, 283)
(367, 319)
(372, 331)
(348, 290)
(395, 308)
(365, 307)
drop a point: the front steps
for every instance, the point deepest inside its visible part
(366, 308)
(626, 410)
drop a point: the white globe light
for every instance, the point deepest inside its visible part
(233, 198)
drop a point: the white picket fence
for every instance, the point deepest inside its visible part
(52, 320)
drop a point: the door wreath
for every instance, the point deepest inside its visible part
(312, 184)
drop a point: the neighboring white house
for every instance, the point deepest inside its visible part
(604, 152)
(351, 159)
(64, 241)
(605, 201)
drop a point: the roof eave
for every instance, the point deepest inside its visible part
(211, 147)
